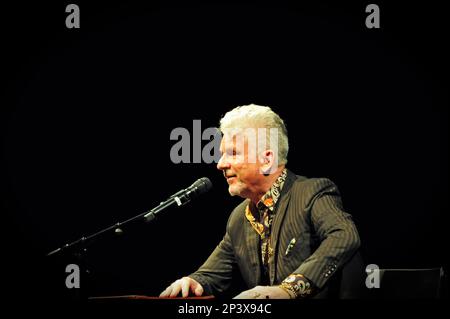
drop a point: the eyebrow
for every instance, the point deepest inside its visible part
(227, 149)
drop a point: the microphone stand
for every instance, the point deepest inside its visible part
(79, 247)
(147, 216)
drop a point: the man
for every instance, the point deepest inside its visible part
(289, 236)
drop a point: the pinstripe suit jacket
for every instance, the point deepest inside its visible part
(309, 210)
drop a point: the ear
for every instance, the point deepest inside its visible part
(268, 162)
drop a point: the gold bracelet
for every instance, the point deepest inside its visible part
(297, 284)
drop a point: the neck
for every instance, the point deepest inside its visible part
(265, 185)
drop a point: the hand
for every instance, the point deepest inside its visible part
(184, 285)
(264, 292)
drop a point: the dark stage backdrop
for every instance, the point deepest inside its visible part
(86, 134)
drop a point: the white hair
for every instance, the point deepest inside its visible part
(257, 116)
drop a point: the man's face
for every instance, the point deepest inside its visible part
(240, 166)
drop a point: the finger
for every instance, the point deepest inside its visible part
(193, 286)
(166, 292)
(185, 287)
(176, 287)
(198, 290)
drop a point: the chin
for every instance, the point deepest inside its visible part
(232, 191)
(236, 190)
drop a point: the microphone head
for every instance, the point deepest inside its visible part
(200, 186)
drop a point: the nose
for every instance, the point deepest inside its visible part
(223, 164)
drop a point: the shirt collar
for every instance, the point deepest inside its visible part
(270, 198)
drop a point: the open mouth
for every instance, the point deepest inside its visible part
(230, 177)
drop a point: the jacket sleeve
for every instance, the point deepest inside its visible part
(335, 229)
(215, 275)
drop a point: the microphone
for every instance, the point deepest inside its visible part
(182, 197)
(200, 186)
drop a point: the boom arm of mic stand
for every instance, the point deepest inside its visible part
(147, 216)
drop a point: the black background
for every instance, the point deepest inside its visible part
(86, 131)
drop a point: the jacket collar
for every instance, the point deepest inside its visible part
(281, 209)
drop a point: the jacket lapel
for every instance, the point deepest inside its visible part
(253, 248)
(280, 212)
